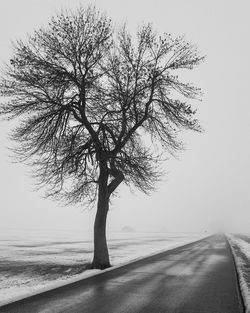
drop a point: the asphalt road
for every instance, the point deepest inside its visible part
(198, 277)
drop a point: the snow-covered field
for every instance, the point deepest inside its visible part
(33, 261)
(240, 245)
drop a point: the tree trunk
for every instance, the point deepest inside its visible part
(101, 255)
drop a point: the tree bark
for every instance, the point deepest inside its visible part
(101, 255)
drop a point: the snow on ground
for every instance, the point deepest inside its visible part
(240, 245)
(31, 261)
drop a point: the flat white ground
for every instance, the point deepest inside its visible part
(32, 261)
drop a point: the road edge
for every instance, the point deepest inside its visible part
(237, 275)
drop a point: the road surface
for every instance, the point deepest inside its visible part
(196, 278)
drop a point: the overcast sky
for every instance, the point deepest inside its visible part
(207, 187)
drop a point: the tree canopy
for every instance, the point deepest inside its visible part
(86, 92)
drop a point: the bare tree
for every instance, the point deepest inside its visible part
(86, 96)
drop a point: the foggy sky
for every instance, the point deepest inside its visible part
(207, 187)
